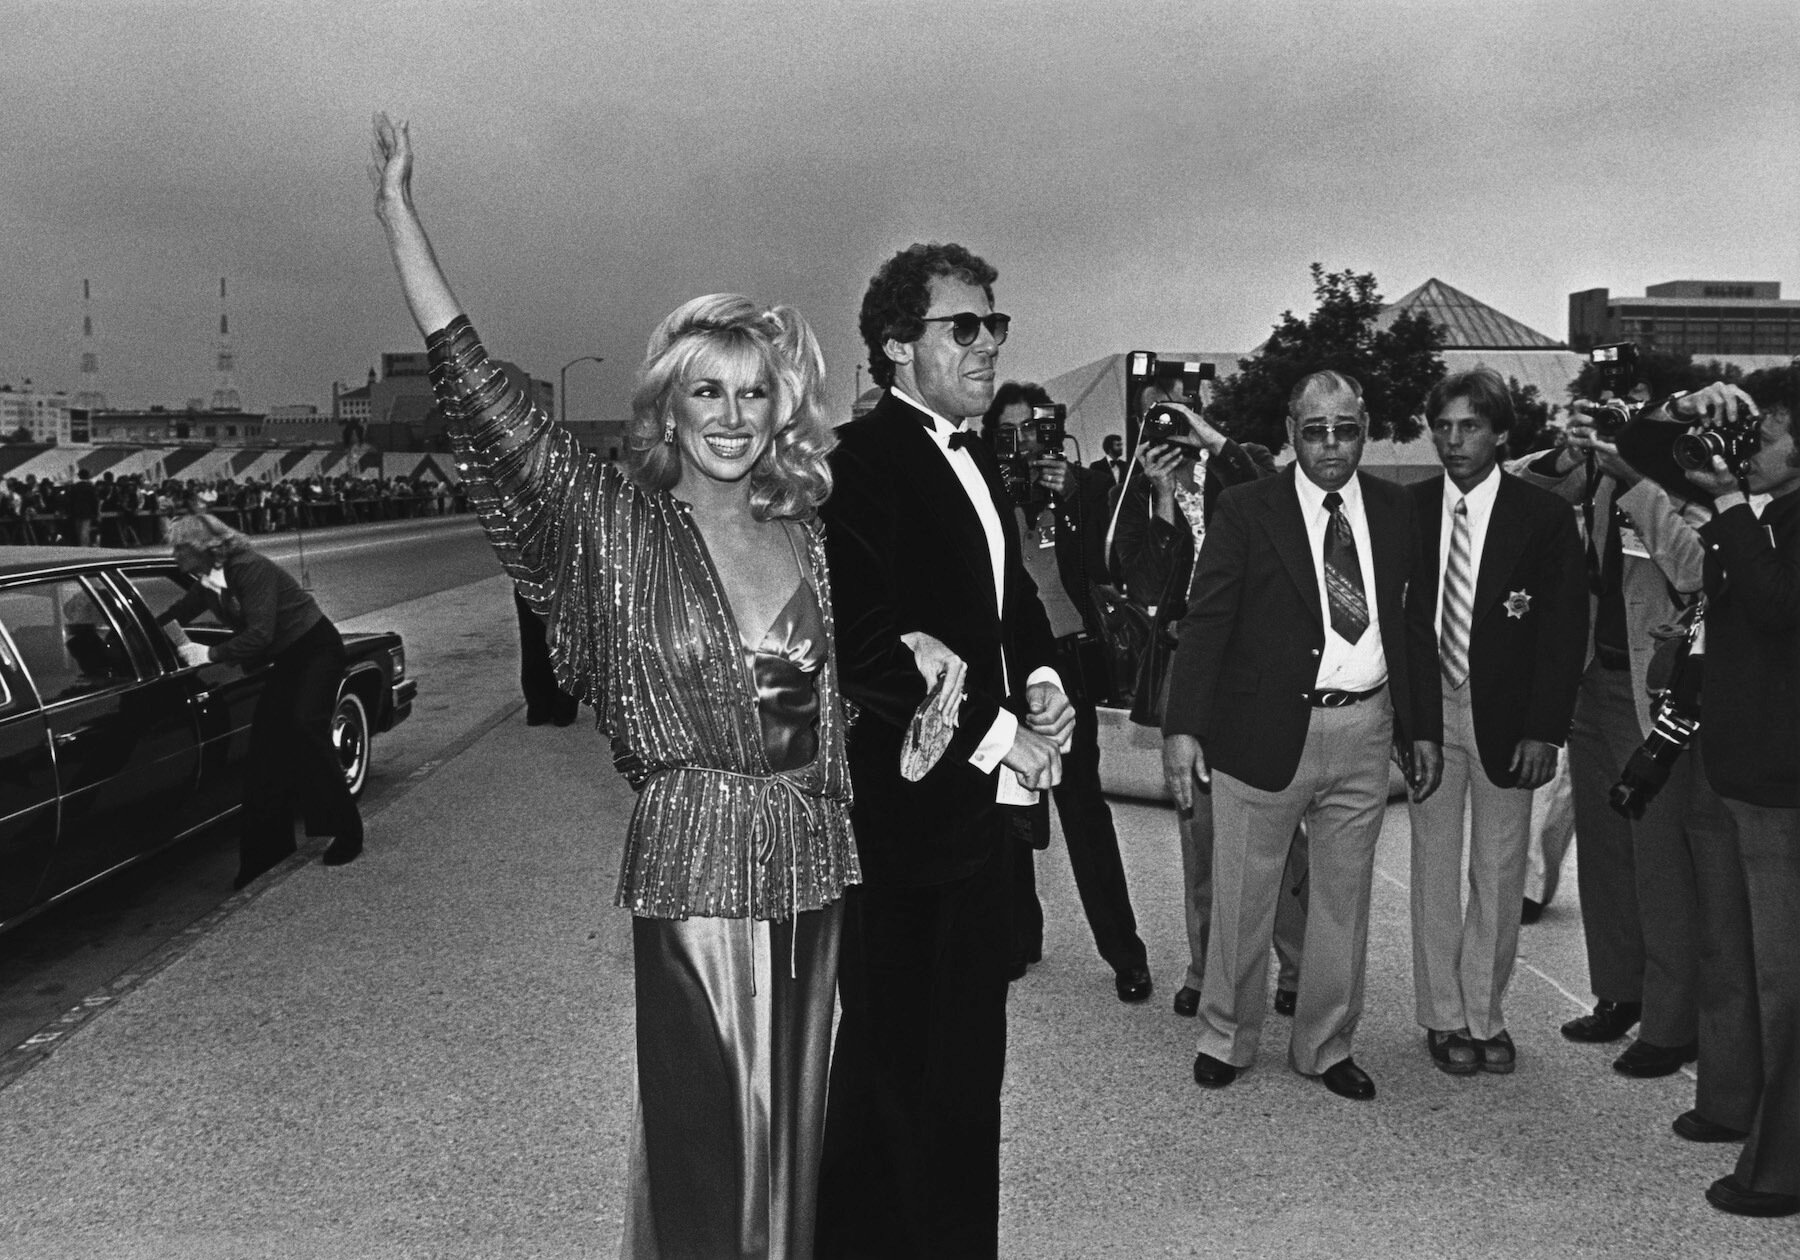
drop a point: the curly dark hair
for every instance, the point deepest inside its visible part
(1028, 392)
(900, 294)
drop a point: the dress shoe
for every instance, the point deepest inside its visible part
(1346, 1080)
(1728, 1194)
(1285, 1000)
(1643, 1060)
(1697, 1128)
(1453, 1052)
(1608, 1021)
(1187, 1002)
(345, 848)
(1497, 1053)
(1133, 985)
(1531, 911)
(1213, 1073)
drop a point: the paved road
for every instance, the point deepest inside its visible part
(433, 580)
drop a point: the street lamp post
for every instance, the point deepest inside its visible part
(562, 382)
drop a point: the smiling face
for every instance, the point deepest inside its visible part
(955, 381)
(1466, 443)
(724, 413)
(1328, 433)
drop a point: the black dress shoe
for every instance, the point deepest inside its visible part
(1187, 1002)
(1531, 911)
(1643, 1060)
(1133, 985)
(1728, 1194)
(345, 848)
(1213, 1073)
(1285, 1001)
(1453, 1052)
(1346, 1080)
(1608, 1021)
(1697, 1128)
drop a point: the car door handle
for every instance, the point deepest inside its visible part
(62, 739)
(200, 697)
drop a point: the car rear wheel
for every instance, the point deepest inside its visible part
(350, 736)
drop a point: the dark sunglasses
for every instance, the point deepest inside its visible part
(965, 326)
(1315, 434)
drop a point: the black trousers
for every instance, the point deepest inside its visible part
(1093, 857)
(544, 701)
(911, 1164)
(292, 762)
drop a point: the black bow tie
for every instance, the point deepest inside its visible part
(960, 439)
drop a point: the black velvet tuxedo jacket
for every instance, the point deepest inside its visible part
(907, 552)
(1253, 636)
(1528, 629)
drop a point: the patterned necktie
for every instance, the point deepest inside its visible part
(1343, 574)
(1459, 601)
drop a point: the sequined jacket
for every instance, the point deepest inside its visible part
(638, 626)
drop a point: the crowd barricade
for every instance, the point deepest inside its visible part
(151, 527)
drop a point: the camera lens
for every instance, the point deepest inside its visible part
(1696, 450)
(1163, 422)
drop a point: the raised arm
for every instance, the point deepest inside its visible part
(428, 294)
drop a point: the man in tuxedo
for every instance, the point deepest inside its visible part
(916, 533)
(1113, 466)
(1301, 662)
(1506, 579)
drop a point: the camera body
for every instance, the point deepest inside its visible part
(1734, 441)
(1616, 365)
(1015, 450)
(1162, 422)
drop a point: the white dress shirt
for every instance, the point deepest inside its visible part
(1481, 508)
(1344, 666)
(999, 739)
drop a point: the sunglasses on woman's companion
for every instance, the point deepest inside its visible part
(965, 326)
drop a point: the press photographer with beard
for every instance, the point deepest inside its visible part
(1750, 740)
(1059, 510)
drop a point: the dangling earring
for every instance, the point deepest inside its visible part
(669, 431)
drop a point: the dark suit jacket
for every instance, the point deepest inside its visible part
(1254, 633)
(907, 552)
(1525, 654)
(1750, 697)
(1105, 468)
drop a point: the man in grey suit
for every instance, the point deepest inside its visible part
(1301, 663)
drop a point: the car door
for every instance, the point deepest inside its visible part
(121, 730)
(27, 786)
(223, 696)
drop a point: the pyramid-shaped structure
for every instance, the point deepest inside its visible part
(1466, 323)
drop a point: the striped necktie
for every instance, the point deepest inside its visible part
(1459, 600)
(1343, 574)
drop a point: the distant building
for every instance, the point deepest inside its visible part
(189, 426)
(1702, 318)
(45, 414)
(396, 409)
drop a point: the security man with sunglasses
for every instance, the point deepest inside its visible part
(917, 537)
(1301, 663)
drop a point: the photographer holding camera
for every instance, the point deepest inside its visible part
(1161, 524)
(1750, 734)
(1054, 501)
(1639, 887)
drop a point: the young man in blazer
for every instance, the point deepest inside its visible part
(916, 534)
(1302, 661)
(1505, 577)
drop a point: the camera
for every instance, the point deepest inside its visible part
(1180, 377)
(1616, 365)
(1734, 441)
(1674, 723)
(1040, 437)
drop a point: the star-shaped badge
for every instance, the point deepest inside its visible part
(1518, 603)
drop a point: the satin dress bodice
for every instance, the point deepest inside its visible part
(785, 667)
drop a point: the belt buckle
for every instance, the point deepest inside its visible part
(1335, 699)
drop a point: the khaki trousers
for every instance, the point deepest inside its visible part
(1339, 790)
(1463, 955)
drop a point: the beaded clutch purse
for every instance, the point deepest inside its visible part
(927, 735)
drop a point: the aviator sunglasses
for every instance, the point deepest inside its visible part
(965, 326)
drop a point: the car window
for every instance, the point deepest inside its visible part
(68, 642)
(160, 592)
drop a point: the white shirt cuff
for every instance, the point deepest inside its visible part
(996, 743)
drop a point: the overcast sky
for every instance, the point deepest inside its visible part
(1151, 175)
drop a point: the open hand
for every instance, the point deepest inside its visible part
(390, 168)
(934, 661)
(1184, 766)
(1534, 762)
(1426, 770)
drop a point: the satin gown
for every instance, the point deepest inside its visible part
(734, 1030)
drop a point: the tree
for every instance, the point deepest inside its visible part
(1530, 416)
(18, 436)
(1396, 366)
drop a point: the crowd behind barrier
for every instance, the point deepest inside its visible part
(133, 511)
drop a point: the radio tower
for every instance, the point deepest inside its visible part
(225, 397)
(89, 396)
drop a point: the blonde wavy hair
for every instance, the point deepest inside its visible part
(790, 479)
(207, 534)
